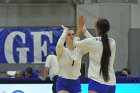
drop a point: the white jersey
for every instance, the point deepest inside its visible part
(66, 70)
(95, 48)
(52, 64)
(66, 59)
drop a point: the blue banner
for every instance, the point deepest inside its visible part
(27, 45)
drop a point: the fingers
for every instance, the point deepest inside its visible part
(62, 26)
(80, 21)
(81, 13)
(65, 28)
(97, 18)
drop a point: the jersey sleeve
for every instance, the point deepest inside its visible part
(85, 43)
(48, 61)
(87, 34)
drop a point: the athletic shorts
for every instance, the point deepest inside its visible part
(100, 88)
(70, 85)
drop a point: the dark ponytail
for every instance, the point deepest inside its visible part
(103, 27)
(105, 57)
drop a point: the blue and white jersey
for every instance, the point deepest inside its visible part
(65, 61)
(95, 48)
(66, 70)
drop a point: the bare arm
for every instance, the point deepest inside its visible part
(85, 32)
(80, 24)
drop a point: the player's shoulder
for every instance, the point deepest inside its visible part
(111, 40)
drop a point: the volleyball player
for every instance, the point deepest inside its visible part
(101, 56)
(69, 60)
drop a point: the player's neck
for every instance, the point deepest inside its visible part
(70, 46)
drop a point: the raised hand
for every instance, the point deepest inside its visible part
(80, 22)
(64, 27)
